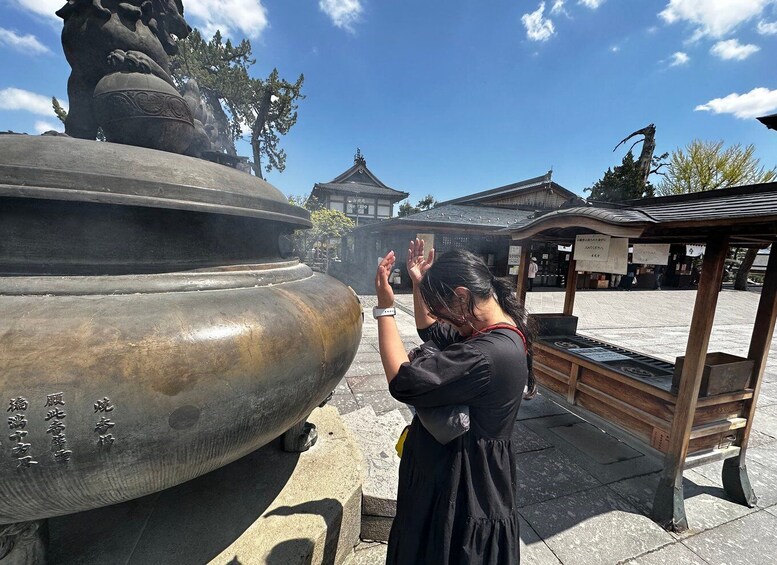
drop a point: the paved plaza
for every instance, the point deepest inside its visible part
(585, 496)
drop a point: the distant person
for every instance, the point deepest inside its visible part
(456, 501)
(533, 268)
(628, 281)
(695, 275)
(660, 269)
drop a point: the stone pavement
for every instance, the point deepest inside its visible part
(584, 496)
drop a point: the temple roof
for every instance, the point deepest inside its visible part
(455, 215)
(543, 182)
(360, 180)
(748, 213)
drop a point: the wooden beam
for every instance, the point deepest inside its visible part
(629, 229)
(523, 272)
(735, 479)
(569, 295)
(669, 505)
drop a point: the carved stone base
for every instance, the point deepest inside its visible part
(736, 483)
(300, 437)
(24, 543)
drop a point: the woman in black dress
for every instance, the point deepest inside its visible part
(456, 502)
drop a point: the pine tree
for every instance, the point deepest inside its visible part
(266, 107)
(624, 182)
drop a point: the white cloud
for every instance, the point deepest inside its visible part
(732, 49)
(714, 18)
(558, 8)
(45, 8)
(18, 99)
(249, 17)
(678, 59)
(615, 48)
(538, 27)
(757, 102)
(343, 13)
(42, 126)
(767, 28)
(593, 4)
(25, 43)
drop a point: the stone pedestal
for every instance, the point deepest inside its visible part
(268, 507)
(377, 437)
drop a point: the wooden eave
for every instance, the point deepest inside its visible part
(437, 227)
(748, 215)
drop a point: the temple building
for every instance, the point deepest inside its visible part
(358, 193)
(474, 222)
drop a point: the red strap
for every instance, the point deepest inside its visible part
(502, 326)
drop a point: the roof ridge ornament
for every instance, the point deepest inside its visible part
(359, 159)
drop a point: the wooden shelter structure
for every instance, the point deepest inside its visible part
(688, 424)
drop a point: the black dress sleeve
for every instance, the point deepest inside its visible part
(442, 335)
(458, 375)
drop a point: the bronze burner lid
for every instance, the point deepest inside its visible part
(76, 170)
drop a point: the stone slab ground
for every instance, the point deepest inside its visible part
(269, 507)
(584, 495)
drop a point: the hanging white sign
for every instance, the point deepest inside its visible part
(651, 254)
(514, 258)
(617, 259)
(592, 247)
(695, 250)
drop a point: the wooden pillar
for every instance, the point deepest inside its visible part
(569, 296)
(735, 479)
(669, 505)
(523, 272)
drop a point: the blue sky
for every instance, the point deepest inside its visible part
(451, 97)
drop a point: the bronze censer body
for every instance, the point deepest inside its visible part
(153, 325)
(151, 329)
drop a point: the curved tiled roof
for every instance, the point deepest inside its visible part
(732, 209)
(360, 188)
(460, 216)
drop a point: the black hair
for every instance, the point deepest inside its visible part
(464, 269)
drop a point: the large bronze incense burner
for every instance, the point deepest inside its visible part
(152, 326)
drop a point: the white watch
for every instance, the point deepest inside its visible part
(380, 312)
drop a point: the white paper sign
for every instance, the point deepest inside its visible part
(514, 270)
(592, 247)
(617, 259)
(695, 250)
(514, 258)
(428, 239)
(651, 254)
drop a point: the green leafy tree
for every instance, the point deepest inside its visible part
(330, 224)
(707, 165)
(271, 109)
(267, 107)
(406, 209)
(327, 225)
(221, 71)
(624, 182)
(61, 114)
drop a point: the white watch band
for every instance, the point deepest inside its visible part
(380, 312)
